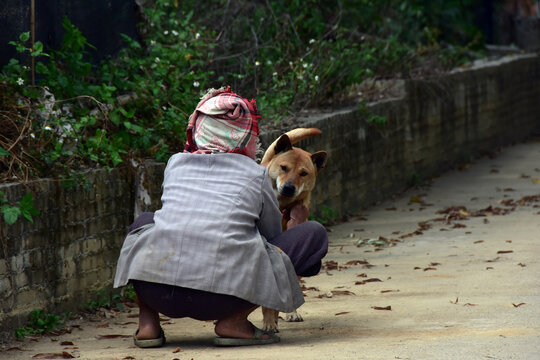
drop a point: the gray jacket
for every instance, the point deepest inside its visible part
(210, 234)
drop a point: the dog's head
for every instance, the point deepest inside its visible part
(293, 171)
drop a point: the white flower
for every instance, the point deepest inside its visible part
(274, 73)
(33, 136)
(166, 32)
(175, 33)
(164, 108)
(152, 42)
(268, 62)
(197, 36)
(257, 63)
(157, 60)
(305, 65)
(311, 41)
(316, 77)
(20, 81)
(196, 84)
(47, 127)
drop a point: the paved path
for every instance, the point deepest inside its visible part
(402, 281)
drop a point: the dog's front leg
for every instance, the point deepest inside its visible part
(270, 319)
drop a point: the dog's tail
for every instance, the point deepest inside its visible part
(295, 135)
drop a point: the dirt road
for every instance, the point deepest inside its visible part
(446, 271)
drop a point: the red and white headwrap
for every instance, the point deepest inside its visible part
(222, 122)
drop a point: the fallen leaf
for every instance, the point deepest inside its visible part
(469, 304)
(387, 291)
(66, 343)
(62, 355)
(489, 268)
(356, 262)
(454, 302)
(331, 265)
(493, 260)
(536, 181)
(417, 268)
(434, 264)
(381, 308)
(363, 282)
(102, 326)
(522, 265)
(14, 348)
(478, 241)
(518, 305)
(342, 313)
(342, 292)
(505, 251)
(128, 358)
(430, 268)
(176, 350)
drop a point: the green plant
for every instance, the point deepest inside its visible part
(326, 215)
(41, 322)
(289, 55)
(24, 208)
(106, 298)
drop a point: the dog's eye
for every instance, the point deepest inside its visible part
(303, 173)
(284, 168)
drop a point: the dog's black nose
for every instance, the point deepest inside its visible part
(288, 190)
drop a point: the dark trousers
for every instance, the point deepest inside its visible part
(305, 244)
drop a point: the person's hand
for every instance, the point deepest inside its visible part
(296, 215)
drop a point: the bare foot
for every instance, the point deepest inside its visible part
(237, 326)
(149, 327)
(236, 329)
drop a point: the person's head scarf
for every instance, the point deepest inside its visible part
(223, 122)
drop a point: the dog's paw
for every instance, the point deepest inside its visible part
(270, 327)
(293, 317)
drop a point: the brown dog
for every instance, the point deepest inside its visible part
(293, 173)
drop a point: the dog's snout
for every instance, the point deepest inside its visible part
(288, 190)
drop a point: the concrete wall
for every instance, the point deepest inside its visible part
(70, 251)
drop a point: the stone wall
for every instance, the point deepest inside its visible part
(70, 251)
(435, 125)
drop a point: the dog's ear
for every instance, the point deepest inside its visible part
(319, 159)
(283, 144)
